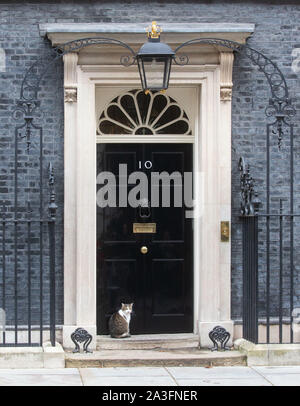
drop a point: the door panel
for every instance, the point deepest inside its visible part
(160, 283)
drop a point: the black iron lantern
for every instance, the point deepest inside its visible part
(154, 61)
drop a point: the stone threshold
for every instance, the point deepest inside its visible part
(148, 341)
(158, 357)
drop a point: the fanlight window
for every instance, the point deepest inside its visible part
(137, 113)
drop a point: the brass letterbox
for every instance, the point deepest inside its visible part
(144, 228)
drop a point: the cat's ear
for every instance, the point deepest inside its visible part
(122, 304)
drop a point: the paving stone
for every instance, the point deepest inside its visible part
(216, 372)
(283, 380)
(123, 372)
(182, 376)
(286, 370)
(223, 382)
(95, 380)
(40, 378)
(40, 371)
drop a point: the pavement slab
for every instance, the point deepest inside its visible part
(283, 380)
(124, 372)
(126, 377)
(277, 370)
(40, 377)
(217, 372)
(153, 376)
(223, 382)
(280, 376)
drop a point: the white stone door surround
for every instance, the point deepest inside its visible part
(211, 73)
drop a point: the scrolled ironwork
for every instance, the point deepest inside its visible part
(32, 79)
(52, 207)
(280, 105)
(76, 45)
(34, 75)
(80, 335)
(211, 41)
(249, 198)
(26, 112)
(220, 337)
(275, 77)
(282, 111)
(127, 60)
(181, 59)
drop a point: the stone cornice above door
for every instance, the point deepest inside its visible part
(135, 35)
(59, 33)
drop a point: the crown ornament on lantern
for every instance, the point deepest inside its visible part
(153, 30)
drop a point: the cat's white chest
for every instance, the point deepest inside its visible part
(125, 316)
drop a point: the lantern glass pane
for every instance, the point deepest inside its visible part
(154, 69)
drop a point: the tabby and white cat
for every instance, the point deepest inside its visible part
(119, 322)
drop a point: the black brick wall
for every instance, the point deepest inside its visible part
(276, 34)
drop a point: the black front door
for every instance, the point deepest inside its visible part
(154, 270)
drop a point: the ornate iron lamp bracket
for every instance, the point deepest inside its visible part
(280, 105)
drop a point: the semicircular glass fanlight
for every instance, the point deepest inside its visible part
(137, 113)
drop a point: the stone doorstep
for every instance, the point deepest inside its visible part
(32, 357)
(152, 350)
(139, 358)
(148, 342)
(269, 354)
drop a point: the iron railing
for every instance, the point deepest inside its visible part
(270, 277)
(27, 285)
(27, 267)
